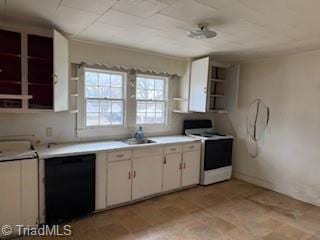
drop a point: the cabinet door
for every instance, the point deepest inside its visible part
(190, 168)
(147, 172)
(119, 182)
(232, 87)
(10, 192)
(198, 85)
(29, 191)
(61, 72)
(171, 172)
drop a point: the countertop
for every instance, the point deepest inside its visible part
(61, 150)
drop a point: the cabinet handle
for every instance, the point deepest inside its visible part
(119, 155)
(173, 149)
(165, 160)
(1, 70)
(134, 174)
(129, 175)
(191, 147)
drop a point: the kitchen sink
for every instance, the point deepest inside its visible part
(133, 141)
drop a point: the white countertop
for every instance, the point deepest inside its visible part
(60, 150)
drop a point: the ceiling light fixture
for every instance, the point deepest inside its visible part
(202, 33)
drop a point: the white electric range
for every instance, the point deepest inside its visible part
(216, 154)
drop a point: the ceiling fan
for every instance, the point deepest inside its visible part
(202, 32)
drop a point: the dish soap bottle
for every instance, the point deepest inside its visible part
(139, 135)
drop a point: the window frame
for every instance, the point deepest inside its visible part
(123, 99)
(165, 100)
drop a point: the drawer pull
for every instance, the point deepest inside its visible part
(119, 155)
(173, 149)
(191, 147)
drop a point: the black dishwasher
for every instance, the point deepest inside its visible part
(69, 187)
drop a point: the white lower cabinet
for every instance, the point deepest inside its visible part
(139, 173)
(29, 191)
(190, 168)
(147, 176)
(119, 182)
(171, 172)
(10, 192)
(19, 193)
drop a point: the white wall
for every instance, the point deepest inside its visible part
(64, 124)
(290, 157)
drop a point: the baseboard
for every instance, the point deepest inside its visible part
(274, 187)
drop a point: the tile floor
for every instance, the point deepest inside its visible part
(229, 210)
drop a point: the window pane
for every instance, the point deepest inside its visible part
(158, 95)
(92, 106)
(92, 92)
(116, 93)
(116, 80)
(150, 117)
(141, 107)
(104, 79)
(141, 83)
(159, 84)
(117, 118)
(159, 118)
(150, 83)
(92, 119)
(104, 92)
(151, 107)
(141, 118)
(91, 78)
(117, 107)
(150, 94)
(105, 106)
(160, 107)
(105, 119)
(141, 94)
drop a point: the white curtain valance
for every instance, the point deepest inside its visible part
(130, 70)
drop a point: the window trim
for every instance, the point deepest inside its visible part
(165, 101)
(123, 99)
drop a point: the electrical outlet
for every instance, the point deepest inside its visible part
(49, 132)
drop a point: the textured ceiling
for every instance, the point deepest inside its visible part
(246, 28)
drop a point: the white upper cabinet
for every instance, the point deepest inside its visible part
(61, 72)
(213, 86)
(34, 71)
(199, 85)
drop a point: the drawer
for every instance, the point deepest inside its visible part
(172, 149)
(191, 147)
(119, 155)
(147, 152)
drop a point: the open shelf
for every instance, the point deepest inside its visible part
(14, 96)
(179, 111)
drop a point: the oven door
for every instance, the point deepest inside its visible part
(218, 154)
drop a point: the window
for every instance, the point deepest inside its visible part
(151, 99)
(104, 98)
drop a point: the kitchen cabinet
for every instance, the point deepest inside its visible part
(34, 71)
(213, 86)
(19, 192)
(147, 176)
(190, 168)
(171, 171)
(119, 182)
(10, 192)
